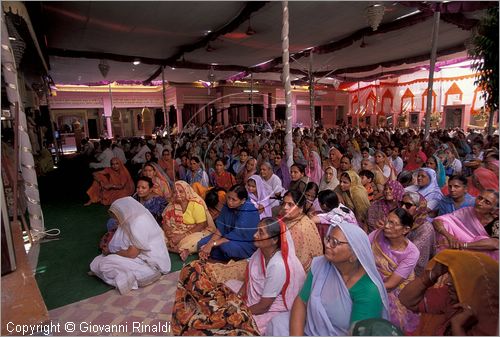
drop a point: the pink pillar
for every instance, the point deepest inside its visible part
(272, 112)
(108, 111)
(178, 109)
(265, 100)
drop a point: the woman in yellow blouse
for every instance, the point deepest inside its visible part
(186, 220)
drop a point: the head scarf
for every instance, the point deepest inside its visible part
(295, 274)
(264, 192)
(283, 172)
(484, 177)
(475, 277)
(338, 156)
(313, 169)
(173, 216)
(141, 228)
(332, 184)
(357, 199)
(432, 190)
(440, 170)
(329, 295)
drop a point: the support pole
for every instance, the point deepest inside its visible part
(435, 33)
(311, 94)
(286, 82)
(251, 104)
(24, 150)
(165, 112)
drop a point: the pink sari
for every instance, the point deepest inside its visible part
(401, 316)
(464, 225)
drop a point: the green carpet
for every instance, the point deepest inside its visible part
(63, 264)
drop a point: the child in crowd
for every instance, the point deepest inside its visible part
(367, 182)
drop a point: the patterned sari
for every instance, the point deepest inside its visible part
(399, 314)
(173, 221)
(205, 307)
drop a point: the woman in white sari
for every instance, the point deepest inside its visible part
(137, 254)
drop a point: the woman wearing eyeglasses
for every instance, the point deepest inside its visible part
(422, 233)
(396, 258)
(342, 287)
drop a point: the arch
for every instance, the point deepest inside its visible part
(408, 95)
(424, 99)
(116, 122)
(354, 100)
(371, 98)
(148, 121)
(473, 109)
(453, 90)
(386, 96)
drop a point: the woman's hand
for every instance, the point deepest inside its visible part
(453, 242)
(175, 238)
(205, 251)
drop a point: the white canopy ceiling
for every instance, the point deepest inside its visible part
(193, 36)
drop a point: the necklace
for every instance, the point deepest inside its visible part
(271, 256)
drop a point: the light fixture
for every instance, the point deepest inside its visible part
(12, 38)
(363, 44)
(103, 68)
(374, 15)
(173, 68)
(250, 91)
(136, 62)
(250, 31)
(209, 48)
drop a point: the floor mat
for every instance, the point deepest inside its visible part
(145, 311)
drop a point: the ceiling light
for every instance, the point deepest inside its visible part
(136, 62)
(12, 38)
(250, 91)
(250, 31)
(374, 15)
(209, 48)
(173, 68)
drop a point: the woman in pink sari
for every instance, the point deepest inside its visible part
(482, 179)
(396, 258)
(472, 228)
(313, 169)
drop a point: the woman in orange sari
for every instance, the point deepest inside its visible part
(161, 187)
(110, 184)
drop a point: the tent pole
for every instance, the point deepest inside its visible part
(286, 82)
(165, 113)
(435, 33)
(311, 94)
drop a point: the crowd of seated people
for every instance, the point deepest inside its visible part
(360, 224)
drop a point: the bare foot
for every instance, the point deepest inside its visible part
(184, 254)
(88, 203)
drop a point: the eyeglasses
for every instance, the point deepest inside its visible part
(333, 242)
(407, 205)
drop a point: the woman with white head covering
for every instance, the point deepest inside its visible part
(260, 194)
(137, 254)
(428, 187)
(329, 180)
(342, 287)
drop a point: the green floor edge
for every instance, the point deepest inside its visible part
(63, 263)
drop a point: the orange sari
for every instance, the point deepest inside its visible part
(123, 184)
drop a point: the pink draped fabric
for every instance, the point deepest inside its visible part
(313, 170)
(464, 225)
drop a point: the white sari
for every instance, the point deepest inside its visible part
(138, 228)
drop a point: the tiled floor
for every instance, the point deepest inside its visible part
(149, 307)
